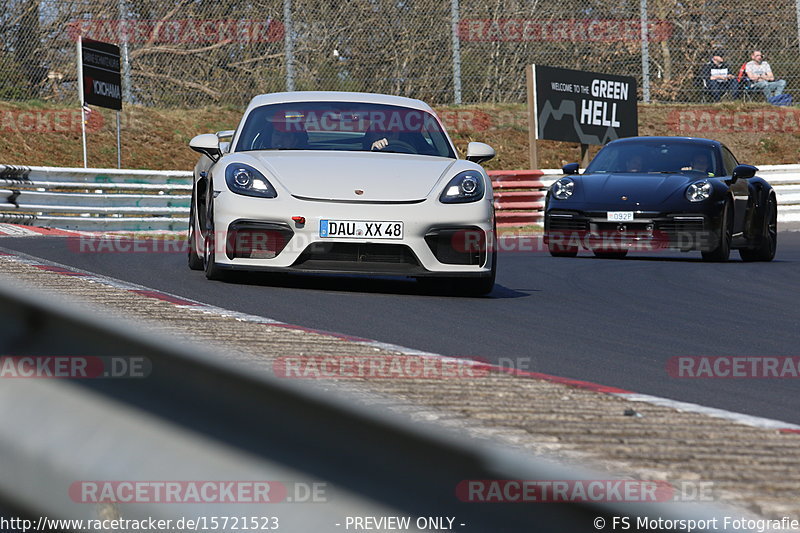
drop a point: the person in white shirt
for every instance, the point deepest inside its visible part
(761, 76)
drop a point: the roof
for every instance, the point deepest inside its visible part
(697, 140)
(336, 96)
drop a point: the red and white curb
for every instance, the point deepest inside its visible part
(21, 230)
(17, 230)
(179, 301)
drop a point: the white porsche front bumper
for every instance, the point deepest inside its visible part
(459, 236)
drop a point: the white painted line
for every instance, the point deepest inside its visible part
(739, 418)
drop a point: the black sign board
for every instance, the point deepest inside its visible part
(102, 84)
(584, 107)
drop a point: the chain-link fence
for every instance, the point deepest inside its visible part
(192, 53)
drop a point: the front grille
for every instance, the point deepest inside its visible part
(255, 240)
(357, 257)
(567, 224)
(458, 246)
(681, 226)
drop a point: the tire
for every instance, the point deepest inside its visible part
(768, 243)
(560, 250)
(608, 254)
(460, 286)
(213, 272)
(194, 260)
(479, 286)
(463, 286)
(722, 251)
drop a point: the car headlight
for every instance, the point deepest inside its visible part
(466, 187)
(563, 188)
(698, 191)
(244, 179)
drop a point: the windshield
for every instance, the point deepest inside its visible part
(658, 158)
(344, 126)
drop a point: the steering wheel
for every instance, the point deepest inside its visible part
(402, 147)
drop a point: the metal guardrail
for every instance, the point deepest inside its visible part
(200, 416)
(112, 199)
(95, 199)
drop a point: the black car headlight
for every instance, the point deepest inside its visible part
(563, 188)
(466, 187)
(244, 179)
(698, 191)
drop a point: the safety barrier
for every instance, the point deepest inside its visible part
(519, 195)
(96, 198)
(111, 199)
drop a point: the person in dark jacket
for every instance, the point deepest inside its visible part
(718, 78)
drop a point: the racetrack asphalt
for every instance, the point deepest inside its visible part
(614, 322)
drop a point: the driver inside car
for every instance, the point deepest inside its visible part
(701, 163)
(282, 139)
(634, 164)
(380, 140)
(376, 140)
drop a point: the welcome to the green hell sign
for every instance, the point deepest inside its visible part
(601, 112)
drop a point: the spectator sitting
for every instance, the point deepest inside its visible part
(717, 77)
(762, 78)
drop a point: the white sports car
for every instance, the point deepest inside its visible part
(343, 182)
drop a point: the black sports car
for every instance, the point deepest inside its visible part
(645, 193)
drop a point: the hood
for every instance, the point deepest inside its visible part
(384, 177)
(644, 190)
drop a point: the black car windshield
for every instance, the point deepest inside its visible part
(344, 126)
(672, 157)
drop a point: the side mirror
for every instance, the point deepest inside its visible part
(743, 172)
(207, 144)
(479, 152)
(570, 168)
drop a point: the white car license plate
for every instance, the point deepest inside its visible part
(360, 229)
(620, 216)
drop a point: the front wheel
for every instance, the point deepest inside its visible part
(213, 272)
(462, 286)
(561, 250)
(722, 251)
(768, 243)
(606, 254)
(195, 261)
